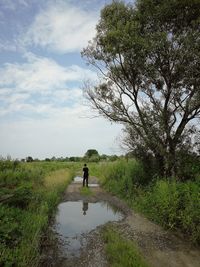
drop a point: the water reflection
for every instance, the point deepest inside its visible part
(72, 223)
(78, 179)
(85, 207)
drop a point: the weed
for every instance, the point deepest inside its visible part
(28, 199)
(173, 204)
(86, 191)
(121, 252)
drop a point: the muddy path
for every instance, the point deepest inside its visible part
(160, 248)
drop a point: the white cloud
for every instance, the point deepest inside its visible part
(55, 122)
(8, 46)
(39, 82)
(41, 74)
(61, 27)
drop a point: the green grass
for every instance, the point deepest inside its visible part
(174, 205)
(121, 252)
(35, 191)
(86, 191)
(171, 203)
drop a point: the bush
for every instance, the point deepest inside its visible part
(122, 177)
(22, 196)
(8, 165)
(10, 226)
(11, 178)
(175, 205)
(188, 165)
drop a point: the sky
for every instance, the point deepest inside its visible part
(42, 109)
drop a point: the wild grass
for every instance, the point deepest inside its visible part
(57, 178)
(121, 252)
(171, 203)
(35, 193)
(121, 177)
(48, 167)
(174, 205)
(86, 191)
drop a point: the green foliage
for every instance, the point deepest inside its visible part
(20, 236)
(149, 50)
(91, 152)
(22, 196)
(8, 165)
(175, 205)
(10, 230)
(188, 165)
(28, 198)
(121, 252)
(13, 177)
(91, 155)
(86, 191)
(122, 177)
(29, 159)
(48, 167)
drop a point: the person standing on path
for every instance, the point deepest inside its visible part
(85, 175)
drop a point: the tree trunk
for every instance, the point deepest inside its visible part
(160, 164)
(170, 162)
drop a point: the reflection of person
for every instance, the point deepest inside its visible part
(85, 175)
(85, 207)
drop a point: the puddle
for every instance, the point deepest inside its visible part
(75, 219)
(93, 185)
(79, 179)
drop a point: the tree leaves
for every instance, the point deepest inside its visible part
(149, 59)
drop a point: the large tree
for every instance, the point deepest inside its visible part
(149, 59)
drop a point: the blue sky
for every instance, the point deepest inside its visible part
(42, 110)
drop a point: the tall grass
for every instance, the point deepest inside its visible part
(33, 194)
(174, 205)
(121, 177)
(171, 203)
(121, 252)
(48, 167)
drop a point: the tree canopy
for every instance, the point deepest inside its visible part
(91, 152)
(149, 59)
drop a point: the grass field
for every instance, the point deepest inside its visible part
(29, 195)
(30, 192)
(172, 203)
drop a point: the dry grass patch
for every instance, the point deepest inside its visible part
(57, 178)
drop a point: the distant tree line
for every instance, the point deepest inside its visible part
(91, 155)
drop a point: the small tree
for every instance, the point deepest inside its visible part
(29, 159)
(91, 152)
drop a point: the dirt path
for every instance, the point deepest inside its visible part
(160, 248)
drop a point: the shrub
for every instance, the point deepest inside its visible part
(122, 177)
(175, 205)
(22, 196)
(8, 165)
